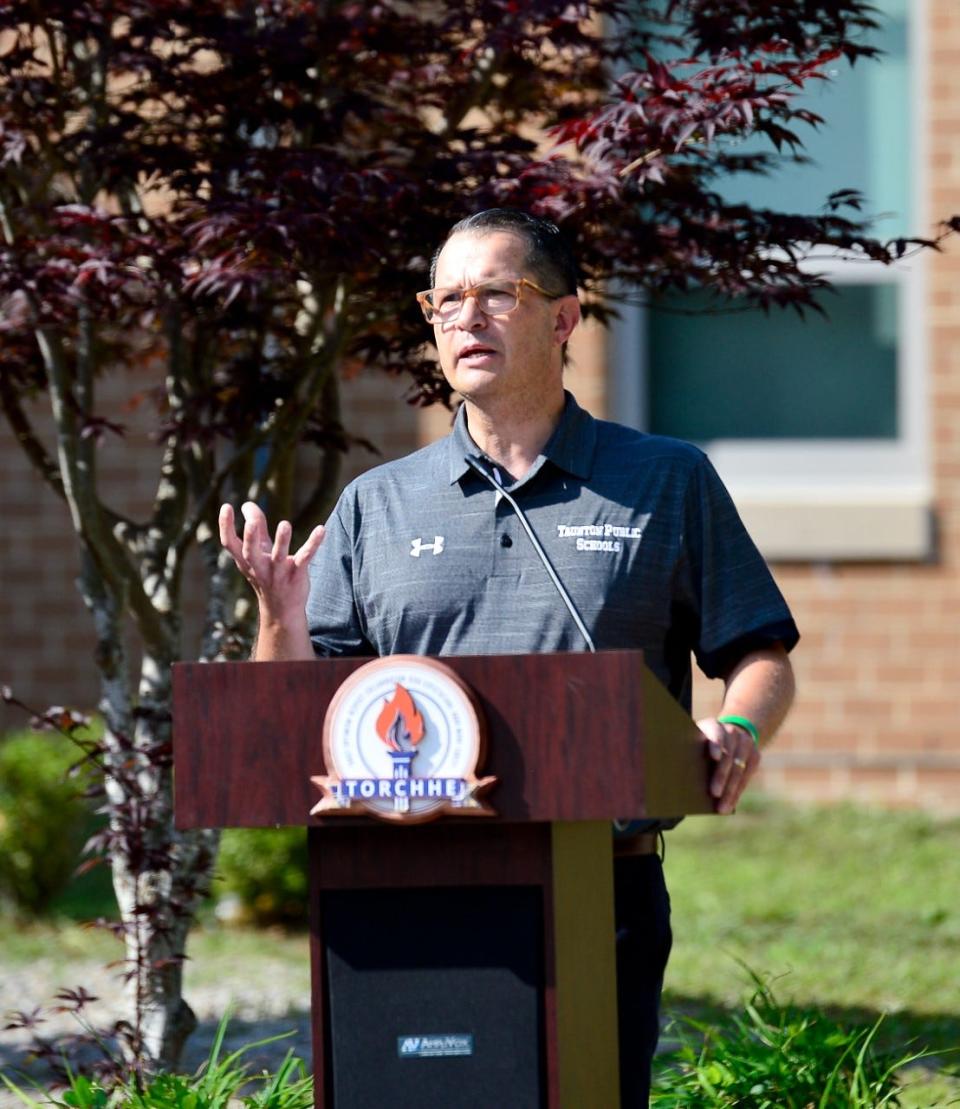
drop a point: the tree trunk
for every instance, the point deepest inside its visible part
(157, 904)
(160, 875)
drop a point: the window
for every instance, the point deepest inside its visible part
(818, 427)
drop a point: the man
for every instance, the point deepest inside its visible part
(427, 556)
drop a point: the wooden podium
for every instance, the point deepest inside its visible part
(575, 741)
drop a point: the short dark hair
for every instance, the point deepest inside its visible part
(548, 253)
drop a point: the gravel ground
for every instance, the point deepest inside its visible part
(276, 1001)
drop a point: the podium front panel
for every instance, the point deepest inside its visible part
(435, 997)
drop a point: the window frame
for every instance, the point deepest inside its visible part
(829, 499)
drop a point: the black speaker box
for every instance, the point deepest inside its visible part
(435, 998)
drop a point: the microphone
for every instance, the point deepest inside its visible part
(490, 477)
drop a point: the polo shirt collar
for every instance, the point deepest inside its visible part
(570, 448)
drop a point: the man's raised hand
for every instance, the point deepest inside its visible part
(279, 579)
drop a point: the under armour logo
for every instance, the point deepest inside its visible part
(417, 545)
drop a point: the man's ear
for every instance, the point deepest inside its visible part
(567, 318)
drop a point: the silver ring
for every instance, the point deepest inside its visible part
(740, 763)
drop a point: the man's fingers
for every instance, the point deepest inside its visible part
(256, 535)
(721, 776)
(736, 757)
(309, 547)
(717, 742)
(253, 514)
(255, 524)
(228, 532)
(741, 762)
(716, 737)
(227, 524)
(281, 542)
(281, 545)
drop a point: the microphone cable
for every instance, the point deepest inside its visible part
(622, 828)
(490, 477)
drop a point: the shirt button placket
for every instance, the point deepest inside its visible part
(504, 541)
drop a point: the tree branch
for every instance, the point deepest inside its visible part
(320, 500)
(83, 395)
(196, 461)
(37, 454)
(35, 451)
(56, 66)
(163, 561)
(286, 428)
(85, 510)
(213, 487)
(6, 223)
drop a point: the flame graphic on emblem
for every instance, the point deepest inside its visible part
(399, 724)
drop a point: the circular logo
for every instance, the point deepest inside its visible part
(402, 740)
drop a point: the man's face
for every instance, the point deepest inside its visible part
(516, 356)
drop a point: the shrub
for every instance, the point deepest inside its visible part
(44, 818)
(776, 1057)
(265, 869)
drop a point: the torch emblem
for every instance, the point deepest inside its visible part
(400, 726)
(402, 740)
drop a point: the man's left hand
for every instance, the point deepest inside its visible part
(736, 757)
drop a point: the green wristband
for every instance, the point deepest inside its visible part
(742, 722)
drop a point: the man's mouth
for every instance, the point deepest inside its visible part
(474, 350)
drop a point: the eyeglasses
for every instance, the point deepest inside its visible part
(494, 298)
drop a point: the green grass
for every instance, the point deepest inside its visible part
(845, 907)
(851, 912)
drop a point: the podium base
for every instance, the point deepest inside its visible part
(493, 942)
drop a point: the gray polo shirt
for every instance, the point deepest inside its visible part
(422, 556)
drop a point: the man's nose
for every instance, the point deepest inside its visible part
(470, 314)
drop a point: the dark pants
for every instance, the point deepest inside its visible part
(642, 911)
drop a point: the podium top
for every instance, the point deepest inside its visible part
(569, 737)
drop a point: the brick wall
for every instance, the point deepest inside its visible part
(47, 637)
